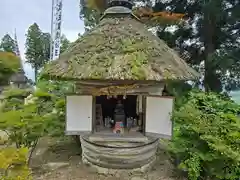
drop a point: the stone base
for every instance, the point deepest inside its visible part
(111, 157)
(106, 171)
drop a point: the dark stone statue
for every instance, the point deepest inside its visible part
(119, 114)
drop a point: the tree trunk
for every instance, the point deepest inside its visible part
(211, 79)
(31, 152)
(35, 74)
(211, 13)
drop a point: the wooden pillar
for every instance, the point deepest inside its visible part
(144, 104)
(94, 114)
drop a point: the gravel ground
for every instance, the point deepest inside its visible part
(61, 160)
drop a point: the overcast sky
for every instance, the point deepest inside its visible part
(21, 14)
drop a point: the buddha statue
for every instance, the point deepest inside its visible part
(119, 114)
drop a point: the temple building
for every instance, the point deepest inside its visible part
(119, 108)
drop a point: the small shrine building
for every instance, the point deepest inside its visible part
(120, 70)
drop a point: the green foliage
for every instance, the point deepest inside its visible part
(207, 137)
(13, 164)
(13, 98)
(9, 64)
(15, 92)
(25, 123)
(90, 16)
(26, 119)
(56, 126)
(58, 88)
(7, 44)
(46, 43)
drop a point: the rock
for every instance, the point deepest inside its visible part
(101, 170)
(53, 166)
(3, 137)
(40, 151)
(113, 171)
(85, 161)
(137, 178)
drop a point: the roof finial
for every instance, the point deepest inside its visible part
(16, 47)
(16, 50)
(124, 3)
(119, 7)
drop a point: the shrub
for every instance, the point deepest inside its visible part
(9, 63)
(56, 126)
(207, 137)
(13, 98)
(26, 123)
(13, 164)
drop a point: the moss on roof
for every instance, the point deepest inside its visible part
(119, 49)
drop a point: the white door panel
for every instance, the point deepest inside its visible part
(158, 116)
(78, 115)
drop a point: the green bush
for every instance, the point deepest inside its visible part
(26, 122)
(9, 64)
(13, 164)
(207, 137)
(56, 127)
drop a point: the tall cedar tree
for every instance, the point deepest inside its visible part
(46, 41)
(210, 36)
(37, 48)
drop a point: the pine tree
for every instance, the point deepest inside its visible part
(7, 43)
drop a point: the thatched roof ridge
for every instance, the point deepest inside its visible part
(119, 49)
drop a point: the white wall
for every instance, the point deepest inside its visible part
(78, 115)
(158, 116)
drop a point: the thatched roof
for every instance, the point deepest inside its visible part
(119, 48)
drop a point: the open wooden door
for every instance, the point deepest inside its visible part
(158, 116)
(79, 115)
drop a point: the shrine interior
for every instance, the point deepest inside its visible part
(117, 114)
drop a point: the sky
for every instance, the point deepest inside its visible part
(236, 96)
(21, 14)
